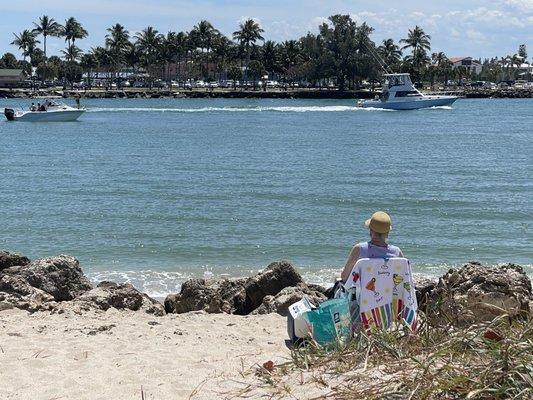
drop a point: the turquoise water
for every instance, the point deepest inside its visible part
(155, 191)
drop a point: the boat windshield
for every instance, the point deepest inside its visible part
(398, 80)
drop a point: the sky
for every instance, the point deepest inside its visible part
(477, 28)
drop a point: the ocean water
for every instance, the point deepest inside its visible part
(156, 191)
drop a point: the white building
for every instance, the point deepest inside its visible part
(468, 62)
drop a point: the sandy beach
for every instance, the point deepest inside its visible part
(129, 355)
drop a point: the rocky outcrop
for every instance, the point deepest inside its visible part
(212, 296)
(39, 285)
(61, 277)
(423, 288)
(280, 302)
(475, 293)
(56, 283)
(233, 296)
(11, 260)
(120, 296)
(276, 277)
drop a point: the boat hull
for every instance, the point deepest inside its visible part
(43, 116)
(415, 104)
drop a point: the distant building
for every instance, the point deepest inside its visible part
(525, 70)
(468, 62)
(11, 77)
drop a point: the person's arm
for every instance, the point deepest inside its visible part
(350, 262)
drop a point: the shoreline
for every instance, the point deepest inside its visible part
(62, 337)
(245, 94)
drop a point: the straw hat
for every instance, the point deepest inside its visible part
(380, 222)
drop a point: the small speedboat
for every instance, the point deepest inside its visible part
(399, 93)
(53, 112)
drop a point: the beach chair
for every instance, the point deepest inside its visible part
(382, 294)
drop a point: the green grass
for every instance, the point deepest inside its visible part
(485, 361)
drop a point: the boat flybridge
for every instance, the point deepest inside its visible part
(399, 93)
(51, 111)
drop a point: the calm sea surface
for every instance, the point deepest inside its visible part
(156, 191)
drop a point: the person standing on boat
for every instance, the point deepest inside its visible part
(379, 226)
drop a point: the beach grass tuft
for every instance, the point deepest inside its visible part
(484, 361)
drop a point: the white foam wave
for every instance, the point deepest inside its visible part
(293, 109)
(159, 284)
(441, 108)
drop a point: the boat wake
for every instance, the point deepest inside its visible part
(440, 108)
(293, 109)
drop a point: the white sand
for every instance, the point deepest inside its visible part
(195, 355)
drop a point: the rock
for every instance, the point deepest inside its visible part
(213, 296)
(475, 293)
(276, 277)
(37, 300)
(120, 296)
(11, 260)
(280, 302)
(233, 296)
(423, 288)
(60, 276)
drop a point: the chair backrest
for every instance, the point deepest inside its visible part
(384, 290)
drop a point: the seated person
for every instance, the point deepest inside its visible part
(379, 226)
(33, 108)
(382, 291)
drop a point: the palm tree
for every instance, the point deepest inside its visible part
(168, 49)
(26, 42)
(47, 27)
(443, 65)
(88, 62)
(270, 56)
(183, 45)
(289, 57)
(222, 50)
(102, 57)
(390, 52)
(73, 30)
(117, 41)
(72, 53)
(419, 42)
(204, 34)
(417, 39)
(514, 63)
(249, 33)
(148, 44)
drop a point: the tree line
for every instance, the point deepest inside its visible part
(341, 53)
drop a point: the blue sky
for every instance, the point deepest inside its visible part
(480, 28)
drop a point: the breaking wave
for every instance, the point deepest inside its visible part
(159, 284)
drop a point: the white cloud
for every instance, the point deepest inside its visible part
(524, 5)
(475, 35)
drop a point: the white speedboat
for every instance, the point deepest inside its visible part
(399, 93)
(53, 112)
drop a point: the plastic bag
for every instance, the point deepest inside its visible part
(330, 322)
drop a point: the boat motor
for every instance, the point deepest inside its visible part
(10, 114)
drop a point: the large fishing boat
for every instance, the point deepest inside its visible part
(51, 111)
(399, 93)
